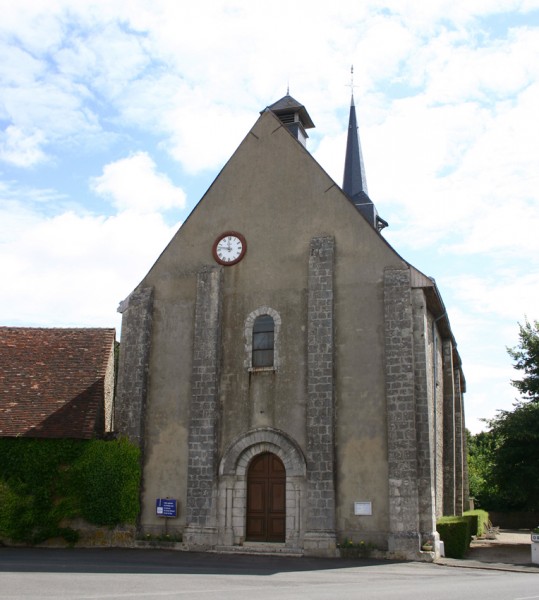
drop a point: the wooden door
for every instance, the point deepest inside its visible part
(266, 511)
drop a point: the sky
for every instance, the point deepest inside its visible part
(117, 115)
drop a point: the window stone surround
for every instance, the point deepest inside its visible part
(248, 329)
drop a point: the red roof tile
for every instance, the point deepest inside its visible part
(52, 381)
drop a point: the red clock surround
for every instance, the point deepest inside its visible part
(232, 253)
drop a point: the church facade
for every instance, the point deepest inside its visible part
(291, 380)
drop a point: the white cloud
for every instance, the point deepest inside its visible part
(20, 148)
(33, 23)
(41, 109)
(106, 57)
(461, 175)
(501, 294)
(388, 43)
(424, 15)
(18, 66)
(152, 64)
(72, 269)
(134, 184)
(488, 369)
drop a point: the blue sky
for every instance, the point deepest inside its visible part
(116, 116)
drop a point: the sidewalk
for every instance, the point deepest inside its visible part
(510, 551)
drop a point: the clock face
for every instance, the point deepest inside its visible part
(229, 248)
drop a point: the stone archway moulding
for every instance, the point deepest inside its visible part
(265, 439)
(233, 483)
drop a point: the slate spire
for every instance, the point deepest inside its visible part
(354, 180)
(354, 170)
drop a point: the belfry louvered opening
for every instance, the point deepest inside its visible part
(287, 118)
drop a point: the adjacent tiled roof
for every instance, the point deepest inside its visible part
(52, 381)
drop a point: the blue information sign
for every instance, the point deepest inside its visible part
(165, 507)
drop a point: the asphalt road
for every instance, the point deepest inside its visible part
(120, 573)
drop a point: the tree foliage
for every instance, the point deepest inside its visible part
(504, 461)
(526, 357)
(517, 432)
(515, 472)
(481, 462)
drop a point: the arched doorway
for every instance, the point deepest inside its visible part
(233, 471)
(266, 499)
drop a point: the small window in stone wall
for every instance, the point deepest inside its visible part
(263, 341)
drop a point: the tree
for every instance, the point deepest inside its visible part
(511, 479)
(515, 472)
(526, 355)
(481, 460)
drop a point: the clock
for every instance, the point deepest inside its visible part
(229, 248)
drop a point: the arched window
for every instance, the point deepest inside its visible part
(263, 341)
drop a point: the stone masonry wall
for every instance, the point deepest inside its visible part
(204, 411)
(424, 406)
(460, 454)
(438, 392)
(320, 535)
(135, 345)
(404, 538)
(449, 429)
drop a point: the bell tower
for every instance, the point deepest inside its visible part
(293, 116)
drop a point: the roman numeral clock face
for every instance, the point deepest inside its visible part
(229, 248)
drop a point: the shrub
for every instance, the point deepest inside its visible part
(480, 521)
(33, 487)
(107, 476)
(43, 482)
(455, 534)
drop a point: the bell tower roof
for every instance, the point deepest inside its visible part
(290, 106)
(294, 116)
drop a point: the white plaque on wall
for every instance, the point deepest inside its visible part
(363, 508)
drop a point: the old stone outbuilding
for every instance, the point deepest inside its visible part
(292, 381)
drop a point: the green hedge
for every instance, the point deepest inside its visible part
(481, 519)
(43, 482)
(474, 523)
(106, 480)
(455, 534)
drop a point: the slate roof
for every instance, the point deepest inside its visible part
(52, 381)
(354, 181)
(287, 104)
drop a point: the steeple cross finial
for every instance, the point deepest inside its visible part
(352, 86)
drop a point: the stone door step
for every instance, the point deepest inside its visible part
(260, 548)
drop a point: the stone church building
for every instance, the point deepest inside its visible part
(292, 381)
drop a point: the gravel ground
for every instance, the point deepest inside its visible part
(510, 546)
